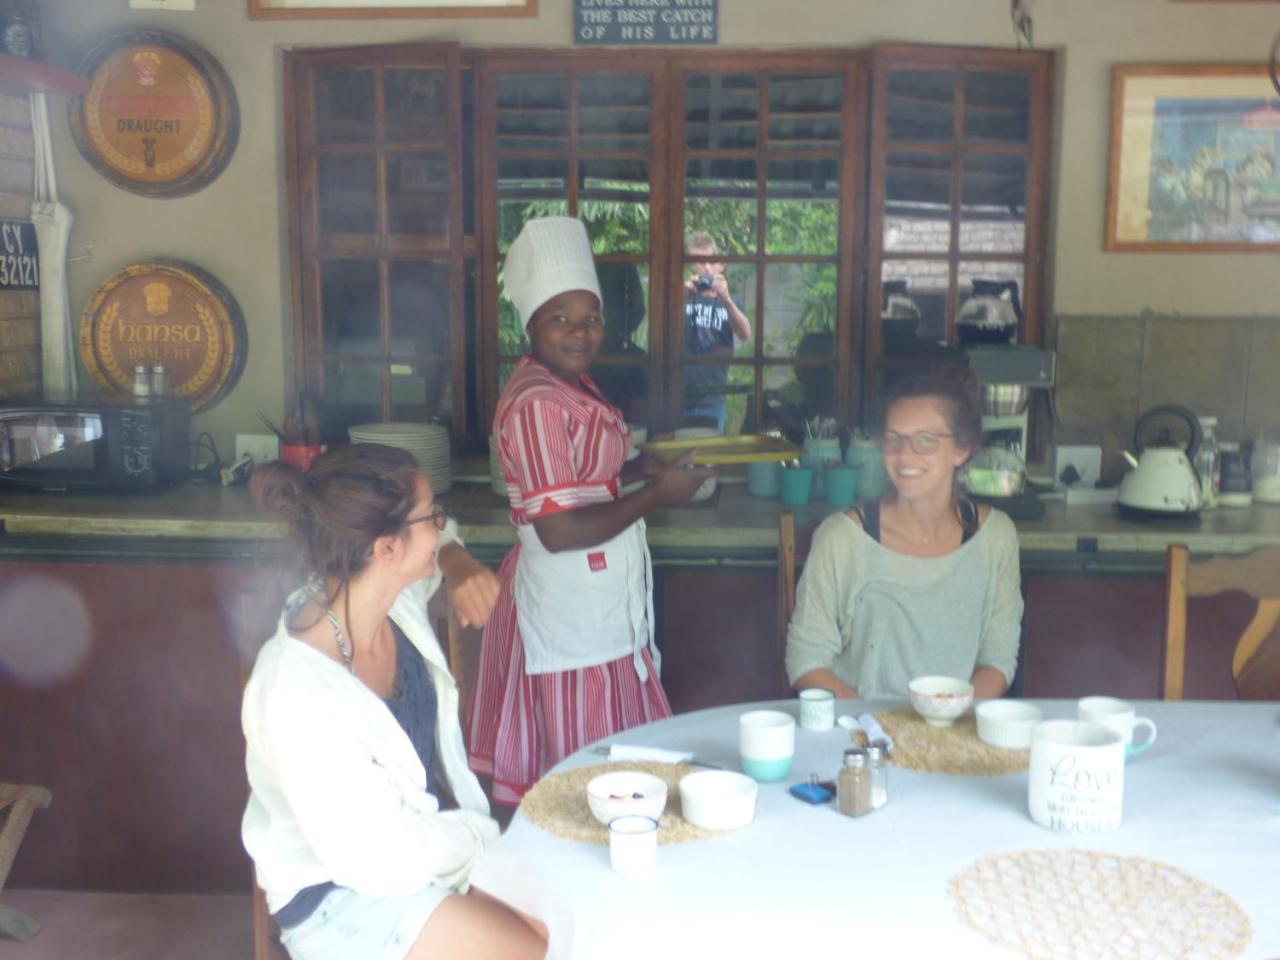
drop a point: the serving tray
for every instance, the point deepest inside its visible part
(713, 451)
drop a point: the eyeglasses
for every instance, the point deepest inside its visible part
(924, 441)
(439, 516)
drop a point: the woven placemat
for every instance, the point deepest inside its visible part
(558, 803)
(1070, 904)
(953, 749)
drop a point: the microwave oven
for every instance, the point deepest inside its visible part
(102, 444)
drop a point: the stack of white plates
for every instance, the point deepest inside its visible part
(428, 443)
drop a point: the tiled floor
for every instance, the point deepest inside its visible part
(113, 926)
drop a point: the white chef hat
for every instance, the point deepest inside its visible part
(551, 256)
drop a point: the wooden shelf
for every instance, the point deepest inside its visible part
(19, 77)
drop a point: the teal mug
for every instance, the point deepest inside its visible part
(764, 479)
(841, 485)
(795, 486)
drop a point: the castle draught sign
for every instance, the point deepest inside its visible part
(169, 312)
(160, 117)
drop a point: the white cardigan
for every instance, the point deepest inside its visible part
(337, 791)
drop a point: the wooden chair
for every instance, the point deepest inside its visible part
(1255, 664)
(17, 804)
(791, 552)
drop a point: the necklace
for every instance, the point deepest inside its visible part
(343, 647)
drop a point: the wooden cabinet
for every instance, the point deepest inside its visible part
(120, 691)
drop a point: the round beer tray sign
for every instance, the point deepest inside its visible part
(169, 312)
(160, 118)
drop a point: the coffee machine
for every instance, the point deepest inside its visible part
(1009, 378)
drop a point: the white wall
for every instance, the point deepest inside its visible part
(236, 227)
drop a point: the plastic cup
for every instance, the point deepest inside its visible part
(763, 479)
(795, 486)
(633, 844)
(841, 485)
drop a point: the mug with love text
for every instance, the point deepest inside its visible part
(1120, 716)
(1076, 779)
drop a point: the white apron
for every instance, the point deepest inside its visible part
(582, 608)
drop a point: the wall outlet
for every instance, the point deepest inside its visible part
(1087, 461)
(261, 446)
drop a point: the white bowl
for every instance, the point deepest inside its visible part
(623, 792)
(1006, 723)
(718, 799)
(940, 699)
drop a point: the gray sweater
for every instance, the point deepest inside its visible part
(877, 618)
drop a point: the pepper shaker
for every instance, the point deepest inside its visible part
(853, 786)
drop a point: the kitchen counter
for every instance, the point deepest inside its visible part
(197, 519)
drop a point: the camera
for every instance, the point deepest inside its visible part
(704, 281)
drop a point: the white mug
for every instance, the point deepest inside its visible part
(633, 844)
(817, 709)
(1076, 781)
(1120, 716)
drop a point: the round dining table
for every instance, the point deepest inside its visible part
(804, 879)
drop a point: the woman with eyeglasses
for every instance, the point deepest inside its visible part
(921, 581)
(351, 723)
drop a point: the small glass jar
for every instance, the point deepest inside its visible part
(141, 382)
(853, 786)
(159, 380)
(1207, 466)
(876, 763)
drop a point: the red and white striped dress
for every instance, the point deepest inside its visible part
(560, 449)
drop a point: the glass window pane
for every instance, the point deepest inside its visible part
(624, 290)
(349, 307)
(529, 188)
(990, 302)
(418, 193)
(344, 106)
(419, 308)
(710, 329)
(613, 112)
(626, 386)
(921, 105)
(722, 111)
(421, 392)
(533, 111)
(805, 110)
(997, 106)
(720, 199)
(793, 395)
(348, 199)
(993, 199)
(719, 396)
(613, 201)
(802, 206)
(512, 341)
(417, 104)
(800, 309)
(913, 303)
(917, 203)
(352, 395)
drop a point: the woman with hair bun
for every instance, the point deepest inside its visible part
(921, 581)
(351, 723)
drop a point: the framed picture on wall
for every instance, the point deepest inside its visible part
(372, 9)
(1193, 159)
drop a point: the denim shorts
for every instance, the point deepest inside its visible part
(348, 924)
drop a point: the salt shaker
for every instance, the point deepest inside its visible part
(853, 786)
(141, 382)
(879, 771)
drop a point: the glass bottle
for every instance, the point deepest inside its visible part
(1207, 465)
(141, 382)
(879, 776)
(853, 786)
(159, 380)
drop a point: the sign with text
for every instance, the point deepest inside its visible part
(629, 22)
(19, 259)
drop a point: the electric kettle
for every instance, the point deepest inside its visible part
(1162, 482)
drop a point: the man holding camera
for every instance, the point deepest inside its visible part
(712, 321)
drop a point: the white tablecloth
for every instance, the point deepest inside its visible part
(1205, 799)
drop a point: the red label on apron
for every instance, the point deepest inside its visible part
(596, 562)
